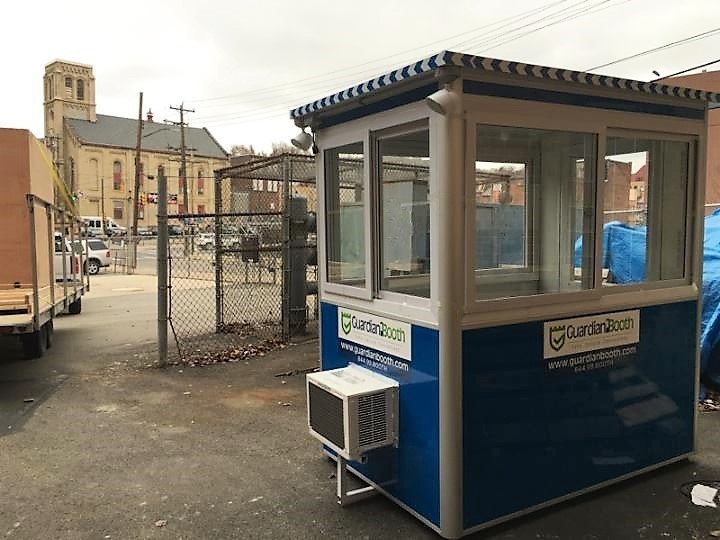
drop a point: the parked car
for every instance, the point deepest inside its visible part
(233, 237)
(175, 230)
(98, 254)
(71, 267)
(205, 241)
(145, 231)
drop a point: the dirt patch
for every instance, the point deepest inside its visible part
(262, 397)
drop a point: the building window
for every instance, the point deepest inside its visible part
(181, 208)
(117, 210)
(95, 173)
(200, 183)
(181, 180)
(71, 176)
(258, 184)
(117, 175)
(345, 215)
(534, 211)
(80, 90)
(403, 178)
(201, 209)
(68, 87)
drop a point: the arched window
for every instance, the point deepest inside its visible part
(95, 173)
(68, 87)
(117, 175)
(80, 90)
(200, 183)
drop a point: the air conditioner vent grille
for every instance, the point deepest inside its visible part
(372, 419)
(326, 415)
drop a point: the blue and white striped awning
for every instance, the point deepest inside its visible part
(481, 63)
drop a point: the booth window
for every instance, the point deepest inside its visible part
(345, 202)
(534, 211)
(403, 170)
(645, 210)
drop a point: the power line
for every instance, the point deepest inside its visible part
(501, 35)
(686, 70)
(577, 14)
(696, 37)
(323, 76)
(323, 81)
(566, 13)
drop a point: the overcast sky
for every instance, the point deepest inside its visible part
(243, 65)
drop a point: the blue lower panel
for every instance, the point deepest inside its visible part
(411, 472)
(532, 433)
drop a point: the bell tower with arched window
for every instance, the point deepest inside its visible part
(69, 92)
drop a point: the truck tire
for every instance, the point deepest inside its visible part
(75, 307)
(33, 344)
(92, 267)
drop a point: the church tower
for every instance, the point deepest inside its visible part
(69, 90)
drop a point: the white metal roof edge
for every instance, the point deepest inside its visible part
(481, 63)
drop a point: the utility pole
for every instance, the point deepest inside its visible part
(183, 163)
(136, 191)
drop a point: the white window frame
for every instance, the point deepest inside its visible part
(401, 306)
(692, 142)
(375, 137)
(341, 136)
(601, 123)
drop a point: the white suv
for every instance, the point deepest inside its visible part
(98, 254)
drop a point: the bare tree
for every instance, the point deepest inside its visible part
(285, 148)
(242, 150)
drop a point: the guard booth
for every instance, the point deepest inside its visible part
(510, 269)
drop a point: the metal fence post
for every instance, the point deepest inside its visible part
(162, 268)
(218, 253)
(286, 268)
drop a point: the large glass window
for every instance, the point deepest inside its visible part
(645, 210)
(405, 212)
(534, 211)
(345, 201)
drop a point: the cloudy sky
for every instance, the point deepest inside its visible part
(243, 65)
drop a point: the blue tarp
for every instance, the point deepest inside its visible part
(710, 329)
(624, 257)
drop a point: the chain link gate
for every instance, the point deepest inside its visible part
(245, 278)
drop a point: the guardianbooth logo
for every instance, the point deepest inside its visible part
(380, 333)
(571, 336)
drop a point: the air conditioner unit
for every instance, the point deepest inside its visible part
(352, 410)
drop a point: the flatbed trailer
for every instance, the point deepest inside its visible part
(41, 276)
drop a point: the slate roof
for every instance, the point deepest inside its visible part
(122, 132)
(422, 68)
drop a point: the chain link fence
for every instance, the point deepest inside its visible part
(246, 275)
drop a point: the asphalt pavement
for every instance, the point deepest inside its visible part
(96, 443)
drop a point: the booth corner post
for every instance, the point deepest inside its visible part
(510, 255)
(450, 149)
(162, 269)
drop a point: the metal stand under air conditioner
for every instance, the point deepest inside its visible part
(345, 496)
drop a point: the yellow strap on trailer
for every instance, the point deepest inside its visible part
(62, 188)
